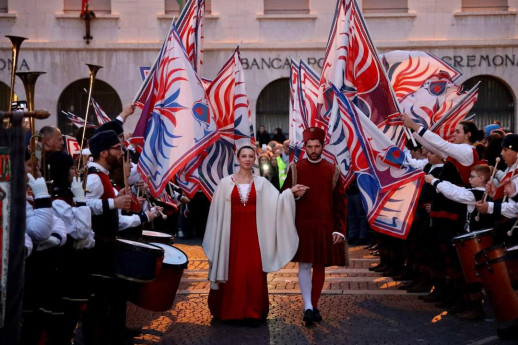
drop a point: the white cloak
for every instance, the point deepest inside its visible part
(275, 213)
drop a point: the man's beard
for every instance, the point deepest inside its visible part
(113, 161)
(315, 156)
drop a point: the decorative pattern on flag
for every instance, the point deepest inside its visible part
(438, 97)
(445, 126)
(99, 112)
(308, 96)
(389, 187)
(180, 126)
(409, 70)
(229, 100)
(337, 146)
(76, 120)
(190, 29)
(166, 199)
(351, 64)
(71, 145)
(296, 119)
(136, 142)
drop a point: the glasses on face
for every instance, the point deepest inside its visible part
(116, 147)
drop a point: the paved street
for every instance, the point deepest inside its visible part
(358, 307)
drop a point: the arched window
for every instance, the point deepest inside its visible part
(74, 98)
(495, 102)
(273, 108)
(4, 96)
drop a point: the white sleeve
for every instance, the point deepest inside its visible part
(57, 238)
(416, 163)
(39, 222)
(126, 222)
(134, 176)
(78, 220)
(463, 153)
(28, 245)
(456, 193)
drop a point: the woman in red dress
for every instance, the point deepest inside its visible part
(241, 251)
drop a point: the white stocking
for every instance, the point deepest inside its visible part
(305, 284)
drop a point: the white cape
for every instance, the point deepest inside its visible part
(275, 213)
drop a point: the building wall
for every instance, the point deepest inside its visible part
(476, 43)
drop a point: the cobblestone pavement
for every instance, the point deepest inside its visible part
(358, 307)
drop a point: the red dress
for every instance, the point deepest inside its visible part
(245, 294)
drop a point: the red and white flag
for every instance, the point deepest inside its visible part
(409, 70)
(179, 122)
(71, 145)
(99, 112)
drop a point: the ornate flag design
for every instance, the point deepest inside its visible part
(351, 64)
(445, 126)
(389, 187)
(297, 122)
(180, 126)
(76, 120)
(71, 145)
(229, 100)
(99, 112)
(409, 70)
(190, 29)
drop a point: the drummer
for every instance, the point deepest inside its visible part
(478, 178)
(106, 315)
(507, 209)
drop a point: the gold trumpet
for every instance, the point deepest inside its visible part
(16, 42)
(29, 84)
(93, 71)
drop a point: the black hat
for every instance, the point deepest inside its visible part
(114, 125)
(60, 163)
(103, 141)
(510, 141)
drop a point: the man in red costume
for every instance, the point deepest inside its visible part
(320, 220)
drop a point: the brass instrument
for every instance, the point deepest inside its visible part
(93, 71)
(16, 42)
(29, 83)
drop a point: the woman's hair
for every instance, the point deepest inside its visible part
(239, 149)
(471, 127)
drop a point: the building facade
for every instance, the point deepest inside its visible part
(478, 37)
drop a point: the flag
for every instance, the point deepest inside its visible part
(71, 145)
(180, 124)
(76, 120)
(297, 121)
(190, 29)
(84, 7)
(445, 126)
(409, 70)
(389, 187)
(101, 115)
(136, 142)
(351, 63)
(436, 98)
(145, 97)
(229, 100)
(308, 96)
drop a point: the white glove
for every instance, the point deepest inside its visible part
(77, 189)
(85, 243)
(38, 186)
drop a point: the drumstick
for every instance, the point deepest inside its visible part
(510, 232)
(484, 198)
(512, 175)
(164, 216)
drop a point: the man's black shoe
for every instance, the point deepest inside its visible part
(308, 317)
(316, 315)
